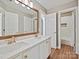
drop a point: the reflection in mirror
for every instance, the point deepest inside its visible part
(15, 19)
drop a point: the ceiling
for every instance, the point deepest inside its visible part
(51, 4)
(48, 5)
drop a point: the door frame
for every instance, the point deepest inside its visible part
(75, 26)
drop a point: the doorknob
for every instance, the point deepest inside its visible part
(25, 56)
(3, 29)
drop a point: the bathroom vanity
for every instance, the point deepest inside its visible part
(32, 48)
(19, 21)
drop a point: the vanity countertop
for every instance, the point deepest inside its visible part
(8, 51)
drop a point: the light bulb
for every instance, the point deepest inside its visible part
(23, 5)
(26, 2)
(31, 4)
(16, 2)
(28, 8)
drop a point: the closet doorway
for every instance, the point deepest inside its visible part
(67, 28)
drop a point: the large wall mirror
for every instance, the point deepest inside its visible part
(17, 19)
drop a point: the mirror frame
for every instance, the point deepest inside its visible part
(23, 34)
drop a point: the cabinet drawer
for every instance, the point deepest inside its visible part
(27, 54)
(33, 53)
(18, 56)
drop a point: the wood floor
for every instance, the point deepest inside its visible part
(66, 52)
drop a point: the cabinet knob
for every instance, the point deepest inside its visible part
(25, 56)
(3, 29)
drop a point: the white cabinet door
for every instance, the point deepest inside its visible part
(33, 53)
(27, 54)
(19, 56)
(43, 50)
(48, 42)
(51, 28)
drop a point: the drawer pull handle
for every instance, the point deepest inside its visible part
(25, 56)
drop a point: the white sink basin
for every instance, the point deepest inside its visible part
(12, 47)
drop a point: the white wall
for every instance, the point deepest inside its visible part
(51, 28)
(67, 33)
(78, 31)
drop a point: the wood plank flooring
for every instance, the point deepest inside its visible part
(66, 52)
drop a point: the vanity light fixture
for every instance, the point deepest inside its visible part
(31, 4)
(16, 2)
(28, 8)
(27, 2)
(23, 5)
